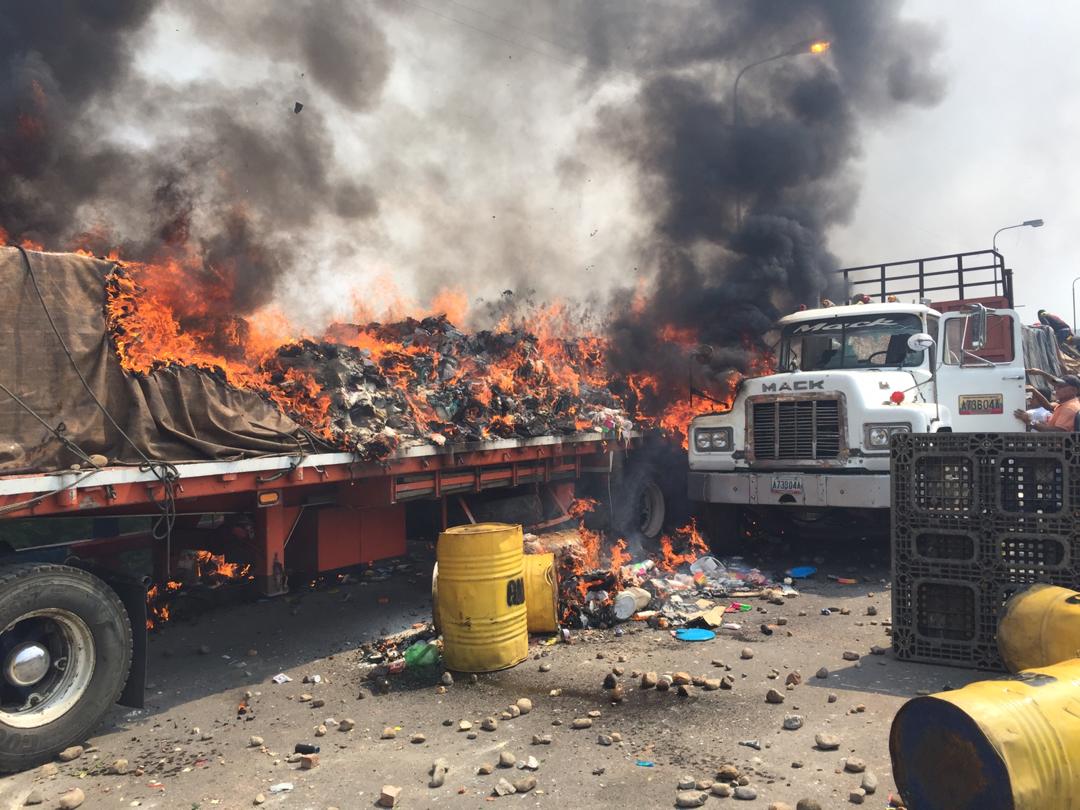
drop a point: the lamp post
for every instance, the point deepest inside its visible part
(811, 46)
(1027, 223)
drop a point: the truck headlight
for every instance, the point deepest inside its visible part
(878, 436)
(713, 440)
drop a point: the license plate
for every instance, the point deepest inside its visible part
(979, 404)
(787, 485)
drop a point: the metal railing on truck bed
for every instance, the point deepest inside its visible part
(976, 274)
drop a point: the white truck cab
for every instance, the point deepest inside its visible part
(815, 434)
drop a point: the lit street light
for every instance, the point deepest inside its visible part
(810, 46)
(1027, 223)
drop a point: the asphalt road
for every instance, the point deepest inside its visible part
(318, 632)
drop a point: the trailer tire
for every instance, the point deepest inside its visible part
(65, 654)
(640, 506)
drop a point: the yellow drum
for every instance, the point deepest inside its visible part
(1011, 744)
(541, 593)
(1041, 626)
(481, 597)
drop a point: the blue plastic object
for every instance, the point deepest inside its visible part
(802, 572)
(694, 634)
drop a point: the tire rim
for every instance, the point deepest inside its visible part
(46, 663)
(651, 510)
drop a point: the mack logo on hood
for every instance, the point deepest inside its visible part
(830, 326)
(798, 385)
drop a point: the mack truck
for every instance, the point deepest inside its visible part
(934, 345)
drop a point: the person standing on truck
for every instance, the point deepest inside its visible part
(1064, 417)
(1061, 328)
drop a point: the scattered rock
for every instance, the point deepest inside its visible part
(746, 654)
(832, 697)
(604, 739)
(793, 722)
(438, 773)
(320, 730)
(851, 655)
(489, 724)
(417, 739)
(348, 724)
(822, 673)
(727, 682)
(389, 796)
(721, 789)
(119, 767)
(826, 742)
(541, 739)
(712, 684)
(71, 799)
(504, 788)
(464, 725)
(617, 695)
(447, 679)
(260, 798)
(854, 765)
(610, 681)
(523, 784)
(486, 769)
(506, 759)
(773, 696)
(388, 733)
(33, 797)
(49, 769)
(727, 773)
(68, 754)
(808, 804)
(581, 722)
(649, 680)
(857, 796)
(871, 610)
(690, 798)
(685, 690)
(746, 793)
(513, 711)
(681, 678)
(309, 761)
(878, 650)
(663, 683)
(531, 764)
(716, 662)
(255, 741)
(794, 678)
(869, 783)
(594, 714)
(524, 705)
(686, 782)
(779, 806)
(545, 667)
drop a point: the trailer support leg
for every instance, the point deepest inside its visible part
(273, 525)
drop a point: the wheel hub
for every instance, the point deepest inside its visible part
(27, 664)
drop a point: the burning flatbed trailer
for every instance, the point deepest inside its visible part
(74, 619)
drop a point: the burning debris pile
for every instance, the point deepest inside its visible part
(375, 387)
(676, 587)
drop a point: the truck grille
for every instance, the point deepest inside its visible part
(796, 430)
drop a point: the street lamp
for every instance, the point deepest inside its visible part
(811, 46)
(1074, 300)
(1027, 223)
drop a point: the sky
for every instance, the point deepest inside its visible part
(999, 149)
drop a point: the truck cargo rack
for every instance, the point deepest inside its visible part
(976, 274)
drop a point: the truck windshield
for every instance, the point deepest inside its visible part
(857, 341)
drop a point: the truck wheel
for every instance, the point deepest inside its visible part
(65, 651)
(640, 506)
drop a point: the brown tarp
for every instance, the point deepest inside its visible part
(175, 414)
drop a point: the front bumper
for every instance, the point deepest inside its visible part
(775, 489)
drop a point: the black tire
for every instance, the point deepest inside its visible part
(71, 604)
(640, 506)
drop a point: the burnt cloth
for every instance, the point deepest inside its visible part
(175, 414)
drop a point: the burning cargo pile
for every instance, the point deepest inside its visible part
(376, 387)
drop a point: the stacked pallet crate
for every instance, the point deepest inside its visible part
(975, 518)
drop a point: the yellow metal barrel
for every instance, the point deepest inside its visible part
(1012, 744)
(481, 597)
(541, 593)
(1040, 627)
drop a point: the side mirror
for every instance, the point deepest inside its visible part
(978, 327)
(919, 342)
